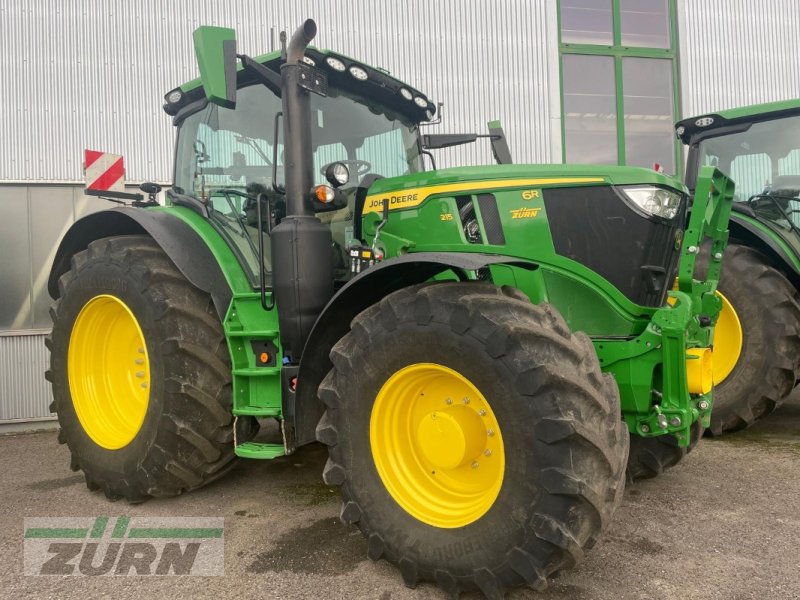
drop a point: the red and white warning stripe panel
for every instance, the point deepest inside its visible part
(104, 172)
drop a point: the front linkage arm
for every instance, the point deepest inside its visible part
(679, 333)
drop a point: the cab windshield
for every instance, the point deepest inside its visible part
(765, 157)
(764, 162)
(225, 157)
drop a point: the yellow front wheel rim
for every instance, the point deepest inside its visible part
(109, 372)
(437, 445)
(727, 341)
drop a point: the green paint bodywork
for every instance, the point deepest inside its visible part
(769, 231)
(256, 390)
(644, 348)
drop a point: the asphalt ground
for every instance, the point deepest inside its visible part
(725, 524)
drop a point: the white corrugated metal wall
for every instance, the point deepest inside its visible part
(92, 73)
(738, 52)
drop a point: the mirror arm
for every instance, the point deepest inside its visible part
(265, 75)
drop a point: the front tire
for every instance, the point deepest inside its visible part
(563, 445)
(144, 413)
(651, 456)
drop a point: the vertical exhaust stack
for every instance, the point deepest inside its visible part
(302, 277)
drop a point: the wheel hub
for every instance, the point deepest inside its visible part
(109, 372)
(437, 445)
(451, 437)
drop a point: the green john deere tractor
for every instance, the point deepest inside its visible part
(757, 354)
(479, 348)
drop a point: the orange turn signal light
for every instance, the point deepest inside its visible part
(324, 193)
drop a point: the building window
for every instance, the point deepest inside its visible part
(619, 82)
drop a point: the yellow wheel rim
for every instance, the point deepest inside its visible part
(437, 445)
(727, 341)
(109, 372)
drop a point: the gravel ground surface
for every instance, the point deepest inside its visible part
(724, 524)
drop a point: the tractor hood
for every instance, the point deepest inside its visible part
(507, 176)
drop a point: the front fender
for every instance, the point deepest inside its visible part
(363, 291)
(185, 248)
(767, 243)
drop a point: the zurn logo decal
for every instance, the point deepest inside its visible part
(124, 546)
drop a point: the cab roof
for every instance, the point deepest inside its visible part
(692, 129)
(379, 86)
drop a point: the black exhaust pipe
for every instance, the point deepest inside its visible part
(302, 277)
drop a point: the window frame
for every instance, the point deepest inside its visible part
(617, 51)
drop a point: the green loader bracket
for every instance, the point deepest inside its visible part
(711, 212)
(685, 323)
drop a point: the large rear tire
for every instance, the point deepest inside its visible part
(140, 373)
(514, 463)
(768, 366)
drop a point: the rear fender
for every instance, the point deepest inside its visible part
(750, 235)
(185, 248)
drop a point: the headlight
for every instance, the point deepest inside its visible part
(406, 93)
(655, 200)
(358, 73)
(174, 96)
(421, 102)
(337, 174)
(335, 64)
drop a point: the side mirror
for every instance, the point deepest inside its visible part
(215, 48)
(148, 187)
(500, 149)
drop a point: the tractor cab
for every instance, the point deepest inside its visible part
(364, 122)
(759, 146)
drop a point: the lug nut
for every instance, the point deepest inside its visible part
(490, 433)
(482, 412)
(448, 401)
(144, 384)
(487, 452)
(465, 400)
(139, 361)
(474, 464)
(675, 421)
(140, 374)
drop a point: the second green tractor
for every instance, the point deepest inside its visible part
(757, 355)
(485, 351)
